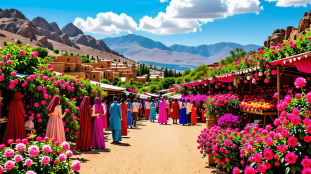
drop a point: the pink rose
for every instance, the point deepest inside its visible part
(306, 170)
(46, 148)
(268, 154)
(69, 153)
(257, 157)
(1, 169)
(62, 157)
(30, 172)
(33, 150)
(307, 138)
(236, 170)
(9, 165)
(262, 168)
(45, 160)
(269, 142)
(65, 145)
(306, 162)
(282, 148)
(9, 153)
(308, 129)
(76, 165)
(300, 82)
(249, 170)
(285, 133)
(18, 158)
(28, 162)
(292, 141)
(291, 158)
(21, 147)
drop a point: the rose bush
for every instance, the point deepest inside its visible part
(43, 83)
(37, 157)
(221, 104)
(286, 149)
(228, 121)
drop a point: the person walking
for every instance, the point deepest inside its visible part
(147, 110)
(135, 112)
(129, 117)
(143, 108)
(98, 138)
(139, 110)
(115, 120)
(162, 114)
(124, 116)
(104, 114)
(175, 115)
(193, 113)
(183, 119)
(189, 109)
(84, 139)
(55, 128)
(153, 114)
(169, 109)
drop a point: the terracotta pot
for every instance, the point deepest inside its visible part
(211, 160)
(211, 121)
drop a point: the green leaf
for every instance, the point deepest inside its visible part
(287, 170)
(301, 136)
(298, 168)
(252, 164)
(309, 151)
(293, 169)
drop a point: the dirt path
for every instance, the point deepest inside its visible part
(150, 148)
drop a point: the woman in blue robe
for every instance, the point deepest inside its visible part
(183, 118)
(152, 111)
(129, 117)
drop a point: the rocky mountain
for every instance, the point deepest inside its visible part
(140, 48)
(11, 13)
(71, 30)
(290, 32)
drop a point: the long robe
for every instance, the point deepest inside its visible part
(162, 113)
(129, 116)
(169, 109)
(124, 121)
(175, 115)
(98, 139)
(193, 114)
(183, 118)
(15, 128)
(153, 111)
(115, 121)
(84, 139)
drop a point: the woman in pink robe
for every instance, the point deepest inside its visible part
(162, 113)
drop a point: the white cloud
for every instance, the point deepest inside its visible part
(162, 1)
(289, 3)
(184, 16)
(107, 23)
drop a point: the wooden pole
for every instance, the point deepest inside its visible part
(278, 86)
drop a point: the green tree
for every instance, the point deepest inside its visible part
(56, 51)
(85, 60)
(87, 56)
(65, 54)
(187, 78)
(42, 52)
(153, 89)
(53, 57)
(18, 41)
(105, 81)
(235, 55)
(178, 80)
(116, 80)
(186, 72)
(137, 71)
(71, 54)
(167, 82)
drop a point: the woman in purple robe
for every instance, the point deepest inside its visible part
(98, 139)
(162, 112)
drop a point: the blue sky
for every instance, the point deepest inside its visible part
(246, 25)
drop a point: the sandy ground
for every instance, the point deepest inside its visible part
(149, 148)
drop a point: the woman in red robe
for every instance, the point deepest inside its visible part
(175, 115)
(84, 139)
(15, 128)
(124, 116)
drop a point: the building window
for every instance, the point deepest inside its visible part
(93, 76)
(110, 80)
(68, 68)
(134, 70)
(101, 76)
(85, 76)
(68, 59)
(91, 70)
(127, 72)
(82, 68)
(102, 66)
(104, 75)
(108, 74)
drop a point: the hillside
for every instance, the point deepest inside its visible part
(178, 57)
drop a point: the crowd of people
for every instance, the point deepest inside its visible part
(124, 115)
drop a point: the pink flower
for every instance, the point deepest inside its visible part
(262, 168)
(21, 147)
(257, 157)
(269, 142)
(46, 148)
(30, 172)
(13, 73)
(282, 148)
(36, 105)
(292, 141)
(307, 138)
(285, 133)
(22, 52)
(249, 170)
(306, 162)
(236, 170)
(33, 150)
(9, 165)
(291, 158)
(268, 154)
(18, 158)
(1, 168)
(62, 157)
(9, 153)
(45, 160)
(28, 162)
(43, 102)
(10, 62)
(300, 82)
(296, 120)
(69, 153)
(276, 163)
(76, 165)
(306, 170)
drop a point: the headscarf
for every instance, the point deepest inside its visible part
(162, 99)
(98, 103)
(84, 108)
(53, 104)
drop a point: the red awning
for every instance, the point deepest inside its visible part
(226, 78)
(291, 60)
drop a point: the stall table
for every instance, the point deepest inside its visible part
(265, 113)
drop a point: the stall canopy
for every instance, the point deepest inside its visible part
(177, 96)
(142, 96)
(110, 89)
(152, 95)
(167, 94)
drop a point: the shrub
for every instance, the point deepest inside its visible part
(228, 120)
(85, 60)
(4, 43)
(42, 52)
(222, 104)
(65, 54)
(56, 51)
(18, 41)
(53, 57)
(39, 156)
(104, 81)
